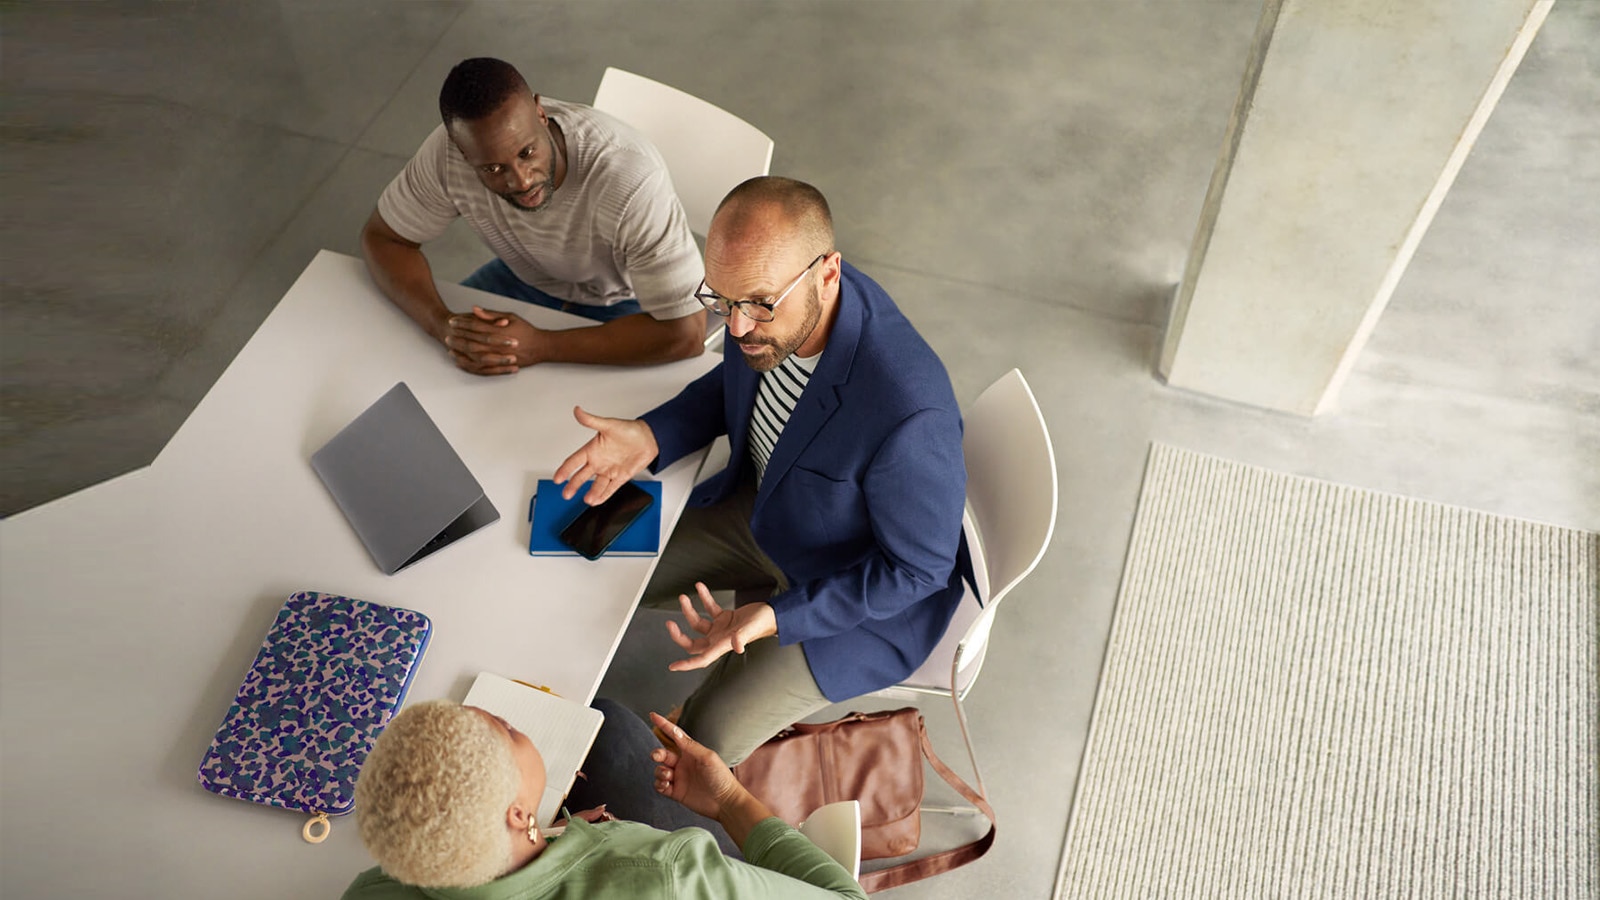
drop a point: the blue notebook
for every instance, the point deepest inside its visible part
(550, 512)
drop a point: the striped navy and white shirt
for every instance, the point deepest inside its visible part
(776, 397)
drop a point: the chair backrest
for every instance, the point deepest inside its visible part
(1010, 516)
(1011, 481)
(708, 151)
(1011, 504)
(836, 829)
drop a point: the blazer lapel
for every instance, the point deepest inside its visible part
(740, 383)
(821, 397)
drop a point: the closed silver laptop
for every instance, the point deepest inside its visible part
(399, 482)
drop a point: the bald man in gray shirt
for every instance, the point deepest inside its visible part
(579, 211)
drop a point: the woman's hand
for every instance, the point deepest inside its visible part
(692, 774)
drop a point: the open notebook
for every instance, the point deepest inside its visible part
(562, 729)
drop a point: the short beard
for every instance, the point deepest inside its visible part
(549, 186)
(787, 348)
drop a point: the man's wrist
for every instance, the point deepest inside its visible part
(767, 618)
(651, 446)
(439, 324)
(533, 346)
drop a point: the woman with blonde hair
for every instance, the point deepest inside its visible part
(448, 799)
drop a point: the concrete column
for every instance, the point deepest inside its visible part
(1353, 120)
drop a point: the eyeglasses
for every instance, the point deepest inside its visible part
(756, 309)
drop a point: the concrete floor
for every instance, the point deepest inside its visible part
(1024, 177)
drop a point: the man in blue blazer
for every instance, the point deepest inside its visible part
(843, 493)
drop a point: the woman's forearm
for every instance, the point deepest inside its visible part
(741, 813)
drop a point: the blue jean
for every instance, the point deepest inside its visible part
(497, 278)
(620, 773)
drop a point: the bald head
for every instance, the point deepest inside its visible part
(771, 243)
(772, 210)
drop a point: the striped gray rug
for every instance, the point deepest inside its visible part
(1317, 691)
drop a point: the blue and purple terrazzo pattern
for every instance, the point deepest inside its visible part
(328, 677)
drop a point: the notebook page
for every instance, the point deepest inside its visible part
(562, 729)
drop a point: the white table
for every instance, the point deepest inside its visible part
(129, 611)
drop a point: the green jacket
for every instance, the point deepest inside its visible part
(630, 861)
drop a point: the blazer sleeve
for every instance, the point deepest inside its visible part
(915, 490)
(689, 421)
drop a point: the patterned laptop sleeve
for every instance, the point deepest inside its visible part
(329, 676)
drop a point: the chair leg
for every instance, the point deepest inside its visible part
(972, 755)
(961, 718)
(951, 810)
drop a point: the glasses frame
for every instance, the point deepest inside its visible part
(767, 305)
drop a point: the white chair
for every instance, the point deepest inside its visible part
(1010, 515)
(707, 149)
(836, 829)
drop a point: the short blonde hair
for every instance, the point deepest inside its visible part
(431, 799)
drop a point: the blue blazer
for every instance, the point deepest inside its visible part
(862, 499)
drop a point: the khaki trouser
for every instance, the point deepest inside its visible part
(745, 698)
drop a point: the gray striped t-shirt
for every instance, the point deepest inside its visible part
(614, 229)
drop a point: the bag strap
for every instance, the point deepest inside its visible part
(918, 869)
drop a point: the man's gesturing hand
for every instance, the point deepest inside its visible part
(619, 450)
(720, 630)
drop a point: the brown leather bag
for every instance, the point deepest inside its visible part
(875, 758)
